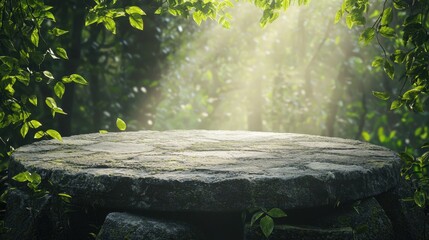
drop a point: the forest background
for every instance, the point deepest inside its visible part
(363, 78)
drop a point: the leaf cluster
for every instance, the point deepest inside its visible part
(416, 169)
(30, 38)
(106, 12)
(266, 219)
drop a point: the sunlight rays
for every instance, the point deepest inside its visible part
(248, 76)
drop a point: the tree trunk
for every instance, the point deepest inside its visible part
(71, 66)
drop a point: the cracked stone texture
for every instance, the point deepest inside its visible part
(200, 170)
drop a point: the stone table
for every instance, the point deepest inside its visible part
(202, 171)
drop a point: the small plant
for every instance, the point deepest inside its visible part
(266, 219)
(416, 169)
(33, 180)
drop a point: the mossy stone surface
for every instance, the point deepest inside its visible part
(197, 170)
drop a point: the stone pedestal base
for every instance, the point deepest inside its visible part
(118, 226)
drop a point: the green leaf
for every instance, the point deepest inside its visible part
(62, 53)
(121, 124)
(35, 37)
(412, 93)
(78, 79)
(381, 95)
(255, 217)
(58, 110)
(268, 16)
(338, 16)
(91, 18)
(59, 89)
(267, 225)
(285, 4)
(22, 176)
(50, 102)
(400, 5)
(198, 17)
(224, 22)
(34, 178)
(387, 32)
(366, 136)
(48, 74)
(58, 32)
(399, 56)
(387, 16)
(66, 79)
(416, 18)
(396, 104)
(54, 134)
(115, 13)
(349, 21)
(136, 21)
(377, 62)
(64, 195)
(134, 10)
(49, 15)
(406, 157)
(158, 11)
(276, 213)
(24, 130)
(109, 24)
(367, 36)
(358, 18)
(39, 134)
(34, 124)
(381, 135)
(33, 100)
(420, 198)
(388, 68)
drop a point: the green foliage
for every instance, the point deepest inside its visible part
(106, 12)
(33, 180)
(355, 10)
(405, 59)
(265, 218)
(32, 45)
(23, 58)
(367, 36)
(217, 10)
(416, 169)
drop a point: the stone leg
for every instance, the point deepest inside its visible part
(26, 216)
(119, 226)
(407, 218)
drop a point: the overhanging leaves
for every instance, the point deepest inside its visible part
(381, 95)
(367, 36)
(136, 21)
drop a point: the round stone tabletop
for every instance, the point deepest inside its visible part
(210, 170)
